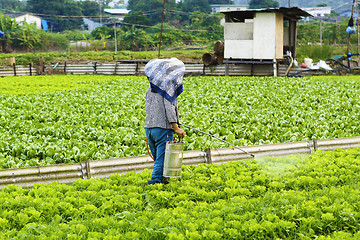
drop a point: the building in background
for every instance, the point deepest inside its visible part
(261, 36)
(30, 19)
(119, 13)
(318, 12)
(90, 25)
(216, 8)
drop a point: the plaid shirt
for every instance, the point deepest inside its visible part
(160, 113)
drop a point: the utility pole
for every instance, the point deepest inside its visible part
(320, 32)
(357, 23)
(289, 3)
(161, 31)
(100, 11)
(115, 37)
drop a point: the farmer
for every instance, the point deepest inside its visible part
(162, 117)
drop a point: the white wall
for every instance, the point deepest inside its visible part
(239, 39)
(258, 38)
(29, 19)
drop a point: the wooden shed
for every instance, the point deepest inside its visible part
(261, 35)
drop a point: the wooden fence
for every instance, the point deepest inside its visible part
(137, 68)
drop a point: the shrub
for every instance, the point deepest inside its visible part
(53, 42)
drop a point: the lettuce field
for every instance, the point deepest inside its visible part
(313, 197)
(65, 118)
(61, 119)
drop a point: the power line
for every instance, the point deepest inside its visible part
(108, 15)
(124, 23)
(172, 29)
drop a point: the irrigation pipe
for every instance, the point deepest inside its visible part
(218, 139)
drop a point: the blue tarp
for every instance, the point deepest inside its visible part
(2, 34)
(44, 25)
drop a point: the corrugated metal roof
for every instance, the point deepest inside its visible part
(293, 12)
(15, 14)
(117, 11)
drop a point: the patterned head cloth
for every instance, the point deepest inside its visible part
(166, 77)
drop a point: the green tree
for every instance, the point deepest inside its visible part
(11, 28)
(30, 36)
(332, 33)
(170, 34)
(207, 26)
(90, 8)
(130, 38)
(136, 17)
(99, 32)
(322, 5)
(334, 13)
(63, 13)
(257, 4)
(153, 8)
(104, 3)
(12, 5)
(200, 20)
(194, 5)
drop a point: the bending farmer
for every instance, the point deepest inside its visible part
(162, 117)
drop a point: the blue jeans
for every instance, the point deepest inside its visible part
(157, 138)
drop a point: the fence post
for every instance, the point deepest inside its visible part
(115, 67)
(30, 68)
(315, 145)
(95, 65)
(208, 156)
(85, 169)
(14, 66)
(65, 67)
(137, 69)
(226, 69)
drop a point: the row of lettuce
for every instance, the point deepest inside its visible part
(275, 198)
(65, 118)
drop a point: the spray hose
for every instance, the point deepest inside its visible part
(148, 150)
(252, 155)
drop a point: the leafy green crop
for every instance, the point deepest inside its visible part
(65, 118)
(318, 197)
(37, 84)
(97, 120)
(258, 110)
